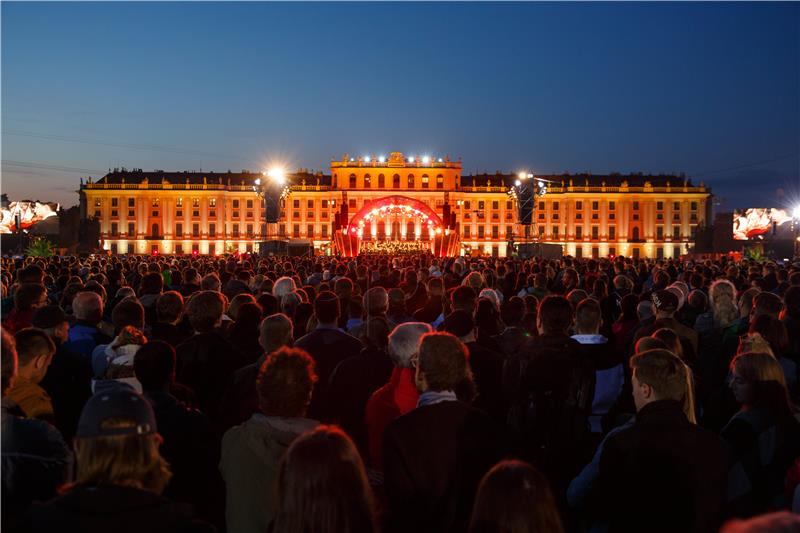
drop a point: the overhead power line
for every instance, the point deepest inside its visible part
(46, 166)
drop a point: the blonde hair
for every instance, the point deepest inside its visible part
(131, 460)
(670, 378)
(722, 299)
(754, 342)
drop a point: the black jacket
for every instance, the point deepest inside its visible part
(662, 474)
(116, 509)
(205, 363)
(328, 347)
(68, 381)
(434, 458)
(35, 461)
(192, 449)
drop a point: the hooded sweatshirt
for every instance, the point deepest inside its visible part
(251, 454)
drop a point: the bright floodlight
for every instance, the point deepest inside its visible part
(426, 160)
(366, 158)
(411, 159)
(522, 175)
(258, 181)
(530, 176)
(277, 174)
(517, 183)
(381, 159)
(440, 160)
(541, 183)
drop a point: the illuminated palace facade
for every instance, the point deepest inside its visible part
(213, 213)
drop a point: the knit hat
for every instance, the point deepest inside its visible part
(49, 316)
(118, 403)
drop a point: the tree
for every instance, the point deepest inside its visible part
(39, 247)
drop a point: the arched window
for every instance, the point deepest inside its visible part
(381, 181)
(396, 181)
(367, 181)
(410, 231)
(155, 231)
(411, 181)
(352, 181)
(636, 233)
(425, 181)
(440, 182)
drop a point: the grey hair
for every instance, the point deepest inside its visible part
(645, 309)
(283, 286)
(86, 305)
(404, 342)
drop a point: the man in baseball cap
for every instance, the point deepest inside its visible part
(120, 474)
(666, 303)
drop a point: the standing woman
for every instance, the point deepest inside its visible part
(322, 486)
(514, 497)
(764, 436)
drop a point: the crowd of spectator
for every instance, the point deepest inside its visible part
(399, 393)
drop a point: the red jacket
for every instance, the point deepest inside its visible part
(394, 399)
(17, 320)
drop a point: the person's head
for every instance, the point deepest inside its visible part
(169, 307)
(670, 339)
(660, 375)
(754, 342)
(554, 316)
(322, 486)
(290, 302)
(649, 343)
(35, 351)
(404, 342)
(698, 300)
(205, 310)
(512, 311)
(275, 331)
(88, 306)
(283, 286)
(210, 282)
(30, 297)
(376, 301)
(766, 303)
(326, 308)
(666, 303)
(746, 299)
(117, 443)
(588, 317)
(461, 324)
(8, 362)
(285, 382)
(397, 301)
(127, 313)
(773, 331)
(627, 306)
(52, 320)
(757, 380)
(576, 296)
(465, 298)
(152, 283)
(514, 497)
(442, 364)
(154, 366)
(645, 309)
(238, 301)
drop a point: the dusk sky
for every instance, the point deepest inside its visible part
(710, 90)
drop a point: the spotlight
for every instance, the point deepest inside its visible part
(381, 159)
(426, 160)
(258, 181)
(367, 159)
(277, 174)
(411, 159)
(517, 183)
(796, 212)
(522, 175)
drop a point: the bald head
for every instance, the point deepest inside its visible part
(88, 306)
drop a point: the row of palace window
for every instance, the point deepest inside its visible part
(212, 231)
(410, 181)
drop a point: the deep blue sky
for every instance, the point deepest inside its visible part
(694, 88)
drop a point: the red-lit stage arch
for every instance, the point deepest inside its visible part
(394, 204)
(443, 241)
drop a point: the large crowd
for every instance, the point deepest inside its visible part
(400, 394)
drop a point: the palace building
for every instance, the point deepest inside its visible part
(397, 198)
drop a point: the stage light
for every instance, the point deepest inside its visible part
(441, 160)
(277, 174)
(517, 183)
(411, 159)
(366, 159)
(381, 159)
(438, 231)
(530, 176)
(426, 160)
(522, 175)
(541, 184)
(796, 212)
(258, 181)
